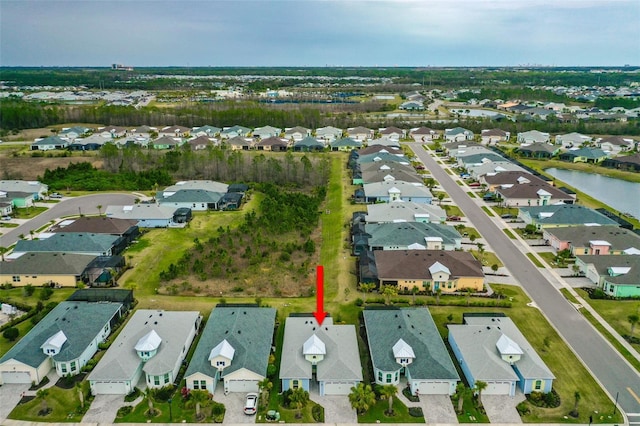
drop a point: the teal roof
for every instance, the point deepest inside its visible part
(478, 158)
(416, 327)
(589, 153)
(69, 242)
(407, 233)
(81, 322)
(191, 196)
(566, 214)
(249, 330)
(51, 140)
(309, 141)
(380, 157)
(346, 142)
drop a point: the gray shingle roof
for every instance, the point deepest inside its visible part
(407, 233)
(121, 360)
(47, 263)
(603, 263)
(342, 360)
(190, 196)
(580, 236)
(381, 189)
(81, 322)
(416, 327)
(566, 214)
(248, 330)
(402, 211)
(70, 242)
(414, 264)
(477, 341)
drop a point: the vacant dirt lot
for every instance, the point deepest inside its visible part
(29, 168)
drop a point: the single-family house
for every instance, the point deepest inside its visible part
(174, 131)
(266, 132)
(166, 142)
(240, 143)
(382, 157)
(379, 148)
(144, 132)
(17, 199)
(233, 131)
(626, 162)
(479, 159)
(38, 190)
(345, 144)
(410, 176)
(197, 195)
(533, 136)
(385, 141)
(614, 145)
(113, 132)
(147, 215)
(509, 177)
(385, 167)
(234, 348)
(532, 194)
(73, 242)
(412, 106)
(458, 134)
(125, 228)
(477, 171)
(45, 269)
(572, 140)
(6, 206)
(423, 134)
(308, 144)
(558, 215)
(393, 132)
(90, 143)
(451, 148)
(202, 142)
(616, 276)
(151, 347)
(65, 339)
(297, 133)
(593, 240)
(208, 131)
(360, 133)
(326, 354)
(73, 133)
(412, 236)
(538, 150)
(49, 143)
(584, 155)
(429, 270)
(493, 136)
(376, 192)
(399, 211)
(493, 350)
(328, 134)
(406, 343)
(273, 143)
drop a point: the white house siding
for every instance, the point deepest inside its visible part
(336, 387)
(500, 388)
(432, 387)
(242, 380)
(195, 382)
(201, 207)
(112, 388)
(13, 371)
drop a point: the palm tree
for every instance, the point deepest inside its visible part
(440, 198)
(99, 207)
(299, 398)
(265, 387)
(479, 387)
(462, 392)
(414, 290)
(80, 394)
(148, 395)
(576, 397)
(388, 291)
(42, 396)
(3, 250)
(362, 397)
(480, 251)
(438, 293)
(633, 320)
(388, 391)
(198, 397)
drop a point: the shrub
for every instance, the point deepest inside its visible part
(123, 411)
(28, 290)
(11, 334)
(523, 408)
(163, 393)
(46, 293)
(271, 371)
(217, 412)
(317, 412)
(359, 302)
(132, 396)
(416, 412)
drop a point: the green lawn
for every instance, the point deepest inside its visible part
(376, 414)
(64, 405)
(470, 412)
(488, 258)
(28, 212)
(509, 233)
(180, 412)
(453, 210)
(472, 194)
(570, 374)
(488, 211)
(535, 260)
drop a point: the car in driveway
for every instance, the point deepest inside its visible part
(6, 217)
(454, 218)
(251, 404)
(55, 195)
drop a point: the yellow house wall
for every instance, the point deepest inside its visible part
(39, 280)
(476, 283)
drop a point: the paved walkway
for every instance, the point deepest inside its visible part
(437, 409)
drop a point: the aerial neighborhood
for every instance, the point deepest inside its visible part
(458, 265)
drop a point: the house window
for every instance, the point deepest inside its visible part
(63, 368)
(203, 384)
(388, 378)
(295, 384)
(397, 374)
(379, 376)
(73, 366)
(538, 385)
(156, 380)
(16, 278)
(586, 251)
(404, 360)
(220, 363)
(196, 384)
(166, 378)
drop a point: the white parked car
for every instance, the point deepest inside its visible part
(251, 404)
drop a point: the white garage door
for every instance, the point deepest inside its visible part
(242, 386)
(109, 388)
(432, 388)
(337, 388)
(15, 377)
(497, 388)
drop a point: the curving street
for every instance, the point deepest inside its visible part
(605, 363)
(67, 207)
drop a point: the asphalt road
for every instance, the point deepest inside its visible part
(606, 364)
(72, 206)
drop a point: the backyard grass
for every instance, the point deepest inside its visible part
(376, 414)
(535, 260)
(509, 233)
(488, 211)
(487, 258)
(571, 375)
(63, 403)
(28, 212)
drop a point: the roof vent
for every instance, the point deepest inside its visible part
(239, 331)
(155, 323)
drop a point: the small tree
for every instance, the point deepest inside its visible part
(42, 396)
(99, 207)
(461, 391)
(576, 400)
(633, 320)
(440, 198)
(479, 387)
(148, 394)
(388, 391)
(265, 387)
(438, 293)
(11, 334)
(366, 288)
(388, 291)
(495, 268)
(80, 394)
(198, 397)
(414, 291)
(3, 250)
(299, 398)
(362, 397)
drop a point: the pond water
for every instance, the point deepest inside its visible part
(622, 195)
(475, 112)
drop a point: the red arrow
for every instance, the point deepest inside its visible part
(320, 314)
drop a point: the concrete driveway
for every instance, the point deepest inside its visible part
(337, 408)
(438, 409)
(10, 395)
(104, 409)
(502, 408)
(234, 405)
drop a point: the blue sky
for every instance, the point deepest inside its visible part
(320, 33)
